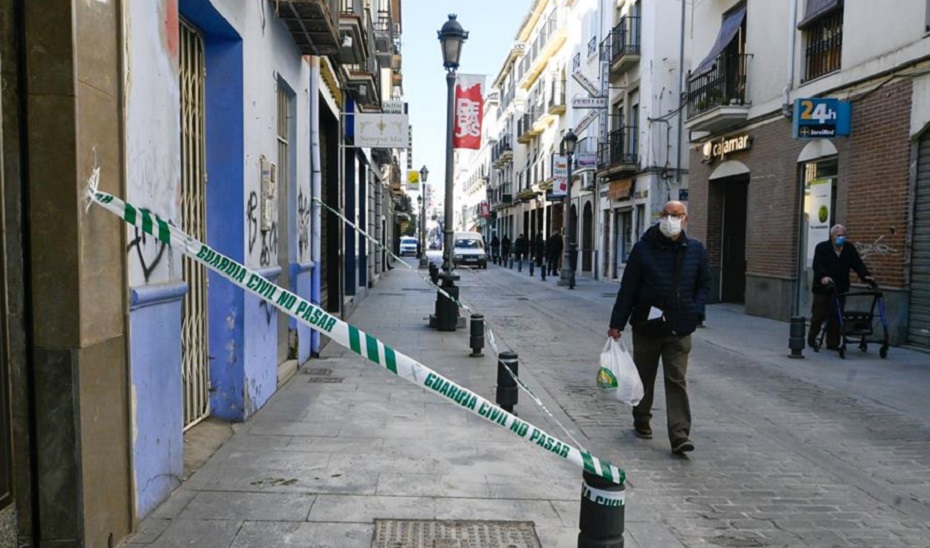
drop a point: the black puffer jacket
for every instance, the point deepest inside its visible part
(649, 281)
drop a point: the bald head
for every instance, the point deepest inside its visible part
(675, 207)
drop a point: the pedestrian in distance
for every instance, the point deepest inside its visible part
(539, 254)
(833, 259)
(554, 252)
(505, 250)
(663, 290)
(530, 254)
(519, 249)
(495, 249)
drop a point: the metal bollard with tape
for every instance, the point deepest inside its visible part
(796, 337)
(434, 273)
(476, 341)
(507, 391)
(603, 511)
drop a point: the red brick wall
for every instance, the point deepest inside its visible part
(872, 189)
(877, 177)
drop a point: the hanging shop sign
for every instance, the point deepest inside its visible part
(718, 150)
(821, 118)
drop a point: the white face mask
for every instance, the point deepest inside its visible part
(670, 226)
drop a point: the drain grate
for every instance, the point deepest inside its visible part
(325, 380)
(420, 289)
(318, 371)
(391, 533)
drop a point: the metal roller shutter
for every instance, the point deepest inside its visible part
(918, 325)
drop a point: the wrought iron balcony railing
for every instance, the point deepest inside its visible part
(620, 149)
(723, 85)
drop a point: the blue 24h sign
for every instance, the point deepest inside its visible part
(820, 118)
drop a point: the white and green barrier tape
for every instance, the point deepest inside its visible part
(347, 335)
(389, 252)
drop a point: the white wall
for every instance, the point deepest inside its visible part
(273, 54)
(153, 126)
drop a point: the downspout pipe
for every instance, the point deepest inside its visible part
(792, 45)
(681, 100)
(316, 186)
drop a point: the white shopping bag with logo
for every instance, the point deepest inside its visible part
(618, 374)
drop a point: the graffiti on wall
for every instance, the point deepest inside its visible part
(269, 238)
(874, 249)
(303, 225)
(148, 250)
(251, 220)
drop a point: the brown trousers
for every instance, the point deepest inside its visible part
(822, 308)
(674, 352)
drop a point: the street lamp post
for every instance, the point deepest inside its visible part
(452, 36)
(424, 260)
(567, 276)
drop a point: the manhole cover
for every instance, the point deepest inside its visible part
(318, 371)
(609, 295)
(324, 380)
(422, 289)
(391, 533)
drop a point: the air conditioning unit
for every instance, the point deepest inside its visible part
(587, 180)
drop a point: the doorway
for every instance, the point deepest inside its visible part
(587, 237)
(733, 248)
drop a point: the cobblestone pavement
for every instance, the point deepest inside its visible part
(814, 452)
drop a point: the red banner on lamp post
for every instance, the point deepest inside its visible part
(469, 110)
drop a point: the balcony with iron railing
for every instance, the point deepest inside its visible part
(556, 103)
(585, 157)
(619, 153)
(525, 131)
(625, 41)
(550, 37)
(717, 98)
(353, 49)
(364, 78)
(314, 24)
(502, 151)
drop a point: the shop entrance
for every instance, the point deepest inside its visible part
(735, 192)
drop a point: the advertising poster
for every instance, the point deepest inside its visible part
(817, 209)
(559, 176)
(469, 103)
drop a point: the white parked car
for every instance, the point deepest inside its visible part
(408, 245)
(468, 249)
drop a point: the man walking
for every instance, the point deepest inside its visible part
(833, 260)
(663, 290)
(554, 252)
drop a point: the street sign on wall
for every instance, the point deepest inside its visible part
(589, 102)
(587, 84)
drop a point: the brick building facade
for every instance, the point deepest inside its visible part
(872, 185)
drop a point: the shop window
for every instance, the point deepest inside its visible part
(823, 35)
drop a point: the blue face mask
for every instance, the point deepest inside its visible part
(840, 240)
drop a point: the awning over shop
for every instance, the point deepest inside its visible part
(817, 9)
(728, 31)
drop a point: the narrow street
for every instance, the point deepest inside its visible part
(813, 452)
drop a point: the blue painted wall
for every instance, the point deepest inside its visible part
(363, 223)
(154, 358)
(302, 276)
(261, 347)
(225, 151)
(349, 212)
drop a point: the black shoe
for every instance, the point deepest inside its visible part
(682, 447)
(643, 432)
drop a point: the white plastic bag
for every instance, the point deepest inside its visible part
(618, 374)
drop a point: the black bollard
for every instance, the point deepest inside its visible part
(506, 385)
(603, 511)
(476, 340)
(796, 337)
(542, 271)
(434, 273)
